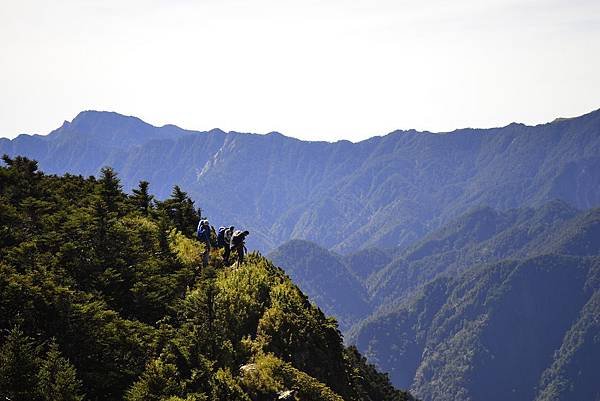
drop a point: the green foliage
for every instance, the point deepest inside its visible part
(57, 378)
(269, 375)
(367, 382)
(180, 209)
(109, 285)
(300, 333)
(109, 190)
(226, 388)
(243, 295)
(188, 251)
(19, 364)
(141, 200)
(158, 382)
(25, 375)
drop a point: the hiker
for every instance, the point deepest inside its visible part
(237, 244)
(203, 234)
(224, 240)
(221, 237)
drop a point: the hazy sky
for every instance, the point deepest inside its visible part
(310, 69)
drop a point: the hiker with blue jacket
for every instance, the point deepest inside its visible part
(203, 234)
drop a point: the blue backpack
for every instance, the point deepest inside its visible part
(203, 233)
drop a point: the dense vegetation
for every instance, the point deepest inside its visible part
(385, 192)
(519, 330)
(494, 294)
(512, 296)
(102, 298)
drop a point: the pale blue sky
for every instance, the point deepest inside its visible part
(310, 69)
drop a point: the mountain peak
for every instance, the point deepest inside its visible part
(112, 118)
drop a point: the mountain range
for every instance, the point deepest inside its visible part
(494, 305)
(385, 192)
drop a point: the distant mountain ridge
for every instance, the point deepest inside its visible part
(385, 191)
(494, 305)
(374, 280)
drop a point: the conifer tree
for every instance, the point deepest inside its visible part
(180, 209)
(141, 199)
(158, 381)
(110, 189)
(57, 378)
(24, 176)
(18, 367)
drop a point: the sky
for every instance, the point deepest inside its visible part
(316, 70)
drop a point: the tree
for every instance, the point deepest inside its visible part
(180, 209)
(158, 381)
(141, 199)
(110, 189)
(23, 176)
(57, 378)
(18, 367)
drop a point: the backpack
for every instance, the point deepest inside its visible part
(238, 237)
(221, 237)
(203, 234)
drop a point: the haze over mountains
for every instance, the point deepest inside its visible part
(385, 192)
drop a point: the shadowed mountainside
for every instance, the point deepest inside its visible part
(518, 330)
(494, 294)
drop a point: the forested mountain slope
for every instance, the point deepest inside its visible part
(102, 298)
(518, 330)
(342, 285)
(386, 191)
(486, 235)
(521, 311)
(495, 305)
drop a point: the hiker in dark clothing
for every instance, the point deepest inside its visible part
(237, 244)
(221, 240)
(224, 241)
(203, 234)
(221, 237)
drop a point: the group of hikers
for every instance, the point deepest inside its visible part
(228, 238)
